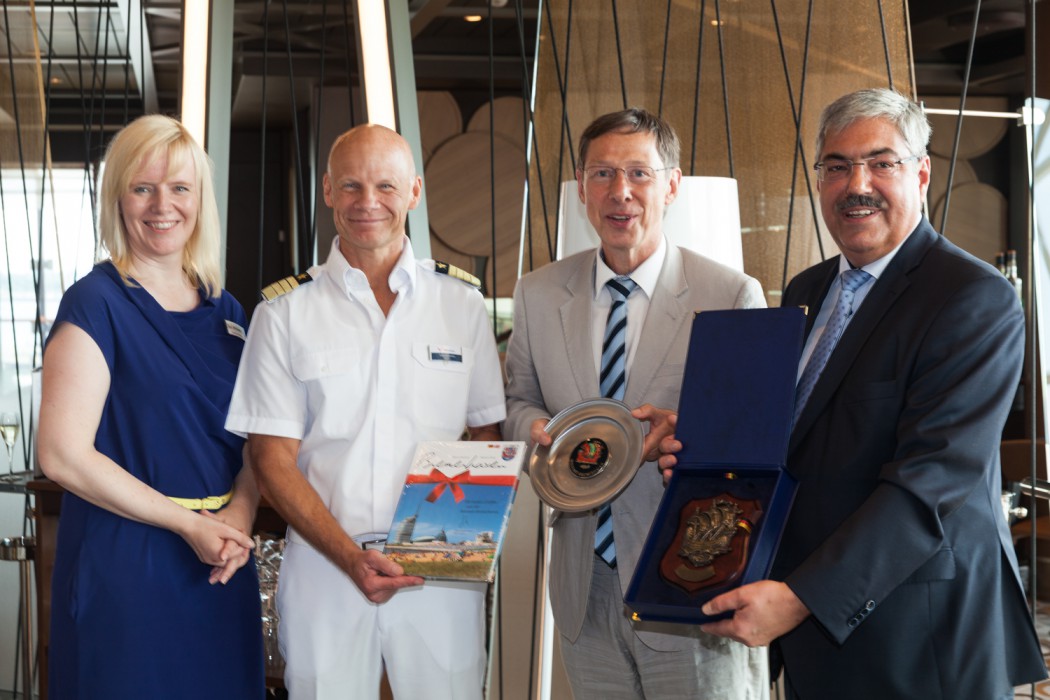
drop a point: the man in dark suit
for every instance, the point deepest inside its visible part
(896, 576)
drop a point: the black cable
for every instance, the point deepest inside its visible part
(800, 151)
(539, 599)
(27, 531)
(83, 111)
(142, 53)
(105, 75)
(801, 99)
(262, 145)
(320, 108)
(301, 217)
(543, 195)
(18, 140)
(529, 127)
(346, 62)
(696, 86)
(619, 53)
(562, 88)
(25, 198)
(1031, 306)
(562, 84)
(798, 143)
(885, 45)
(498, 587)
(663, 63)
(45, 165)
(95, 86)
(725, 88)
(127, 69)
(492, 194)
(38, 327)
(959, 120)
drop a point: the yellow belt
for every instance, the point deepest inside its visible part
(206, 503)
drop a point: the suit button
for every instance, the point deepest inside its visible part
(853, 622)
(870, 605)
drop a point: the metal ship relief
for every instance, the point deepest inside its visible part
(711, 545)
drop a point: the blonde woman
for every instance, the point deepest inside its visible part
(148, 596)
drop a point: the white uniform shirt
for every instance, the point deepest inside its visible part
(323, 365)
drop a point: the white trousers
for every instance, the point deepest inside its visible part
(335, 643)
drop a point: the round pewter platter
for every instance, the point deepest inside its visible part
(595, 450)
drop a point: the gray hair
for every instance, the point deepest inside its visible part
(877, 103)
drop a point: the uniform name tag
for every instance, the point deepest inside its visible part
(234, 329)
(444, 353)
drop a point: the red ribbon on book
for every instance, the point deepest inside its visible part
(443, 481)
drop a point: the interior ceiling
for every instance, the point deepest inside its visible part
(941, 31)
(291, 40)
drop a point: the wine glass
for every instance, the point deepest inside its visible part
(9, 427)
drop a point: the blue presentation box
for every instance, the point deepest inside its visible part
(734, 422)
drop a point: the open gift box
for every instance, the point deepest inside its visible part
(721, 517)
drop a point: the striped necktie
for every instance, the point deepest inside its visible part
(852, 280)
(612, 381)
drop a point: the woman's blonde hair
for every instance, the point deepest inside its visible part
(129, 152)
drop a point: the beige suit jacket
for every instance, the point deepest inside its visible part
(550, 366)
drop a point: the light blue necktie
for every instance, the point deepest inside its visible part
(612, 381)
(852, 280)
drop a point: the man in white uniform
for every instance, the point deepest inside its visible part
(372, 353)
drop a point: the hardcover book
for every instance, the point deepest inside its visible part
(454, 508)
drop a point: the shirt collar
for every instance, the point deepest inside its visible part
(402, 277)
(876, 268)
(645, 275)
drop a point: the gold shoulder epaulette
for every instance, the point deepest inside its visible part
(284, 286)
(453, 271)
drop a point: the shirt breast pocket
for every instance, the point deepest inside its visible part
(336, 387)
(440, 388)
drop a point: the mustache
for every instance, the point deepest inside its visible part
(860, 200)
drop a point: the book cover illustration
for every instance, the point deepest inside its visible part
(454, 508)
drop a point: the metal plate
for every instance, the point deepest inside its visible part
(595, 450)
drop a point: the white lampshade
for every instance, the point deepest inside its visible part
(704, 217)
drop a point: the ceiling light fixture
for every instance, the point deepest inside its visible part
(194, 97)
(375, 60)
(472, 18)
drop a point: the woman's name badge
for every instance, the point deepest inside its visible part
(235, 329)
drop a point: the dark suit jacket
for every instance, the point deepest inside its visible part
(897, 541)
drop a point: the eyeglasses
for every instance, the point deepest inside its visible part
(635, 174)
(881, 167)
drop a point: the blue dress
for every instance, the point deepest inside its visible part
(132, 613)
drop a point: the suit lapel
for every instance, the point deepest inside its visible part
(890, 285)
(576, 327)
(815, 297)
(665, 315)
